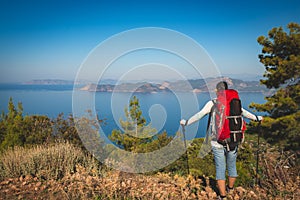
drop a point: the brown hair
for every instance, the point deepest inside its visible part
(222, 86)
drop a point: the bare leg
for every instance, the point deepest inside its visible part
(231, 181)
(221, 186)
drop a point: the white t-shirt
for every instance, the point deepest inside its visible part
(206, 110)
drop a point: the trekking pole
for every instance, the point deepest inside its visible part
(186, 153)
(257, 152)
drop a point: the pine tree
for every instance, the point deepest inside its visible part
(281, 58)
(139, 139)
(12, 126)
(136, 133)
(134, 118)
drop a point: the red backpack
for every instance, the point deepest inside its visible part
(229, 123)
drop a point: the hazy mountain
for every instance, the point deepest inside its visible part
(196, 85)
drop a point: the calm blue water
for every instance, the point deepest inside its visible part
(161, 109)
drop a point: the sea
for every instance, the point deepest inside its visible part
(162, 111)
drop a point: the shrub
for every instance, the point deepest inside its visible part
(52, 161)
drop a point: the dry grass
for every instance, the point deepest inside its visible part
(121, 186)
(63, 171)
(45, 161)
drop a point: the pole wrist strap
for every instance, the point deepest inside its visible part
(186, 122)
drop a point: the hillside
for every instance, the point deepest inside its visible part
(196, 85)
(83, 179)
(117, 185)
(57, 166)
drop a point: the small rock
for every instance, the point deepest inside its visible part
(5, 182)
(123, 184)
(38, 184)
(212, 195)
(203, 193)
(240, 190)
(252, 194)
(208, 189)
(193, 196)
(13, 187)
(89, 180)
(28, 177)
(44, 187)
(21, 178)
(236, 197)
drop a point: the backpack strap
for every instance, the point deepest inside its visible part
(209, 120)
(234, 117)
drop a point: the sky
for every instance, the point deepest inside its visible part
(50, 39)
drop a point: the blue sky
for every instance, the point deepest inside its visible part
(50, 39)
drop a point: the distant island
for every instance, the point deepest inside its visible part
(195, 85)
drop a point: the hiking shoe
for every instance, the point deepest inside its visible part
(229, 190)
(221, 198)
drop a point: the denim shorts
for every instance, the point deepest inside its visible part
(225, 158)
